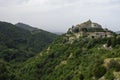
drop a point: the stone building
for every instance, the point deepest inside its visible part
(90, 30)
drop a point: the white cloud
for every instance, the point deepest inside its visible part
(36, 2)
(7, 3)
(60, 13)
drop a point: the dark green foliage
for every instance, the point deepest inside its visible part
(109, 42)
(113, 42)
(26, 27)
(76, 30)
(81, 77)
(109, 75)
(114, 65)
(99, 71)
(91, 43)
(68, 61)
(17, 44)
(4, 72)
(81, 60)
(118, 40)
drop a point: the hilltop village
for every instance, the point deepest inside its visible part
(90, 29)
(87, 29)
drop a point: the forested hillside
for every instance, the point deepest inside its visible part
(18, 44)
(85, 58)
(27, 27)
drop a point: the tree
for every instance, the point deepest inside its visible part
(4, 73)
(99, 71)
(81, 77)
(76, 30)
(109, 75)
(109, 42)
(113, 42)
(114, 65)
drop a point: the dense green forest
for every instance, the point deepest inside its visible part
(83, 59)
(18, 44)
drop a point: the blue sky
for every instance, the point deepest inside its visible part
(59, 15)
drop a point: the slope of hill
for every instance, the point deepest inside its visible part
(26, 27)
(19, 44)
(83, 59)
(117, 32)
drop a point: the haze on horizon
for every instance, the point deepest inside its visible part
(58, 16)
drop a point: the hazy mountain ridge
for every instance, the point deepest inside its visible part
(26, 26)
(117, 32)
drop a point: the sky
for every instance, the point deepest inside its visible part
(59, 15)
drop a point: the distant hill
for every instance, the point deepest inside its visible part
(26, 27)
(117, 32)
(19, 44)
(59, 33)
(33, 29)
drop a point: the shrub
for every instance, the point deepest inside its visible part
(81, 77)
(4, 73)
(99, 71)
(109, 42)
(109, 75)
(114, 65)
(91, 43)
(113, 42)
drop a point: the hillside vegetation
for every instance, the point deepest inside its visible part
(18, 44)
(85, 58)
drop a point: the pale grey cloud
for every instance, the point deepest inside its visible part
(59, 15)
(5, 3)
